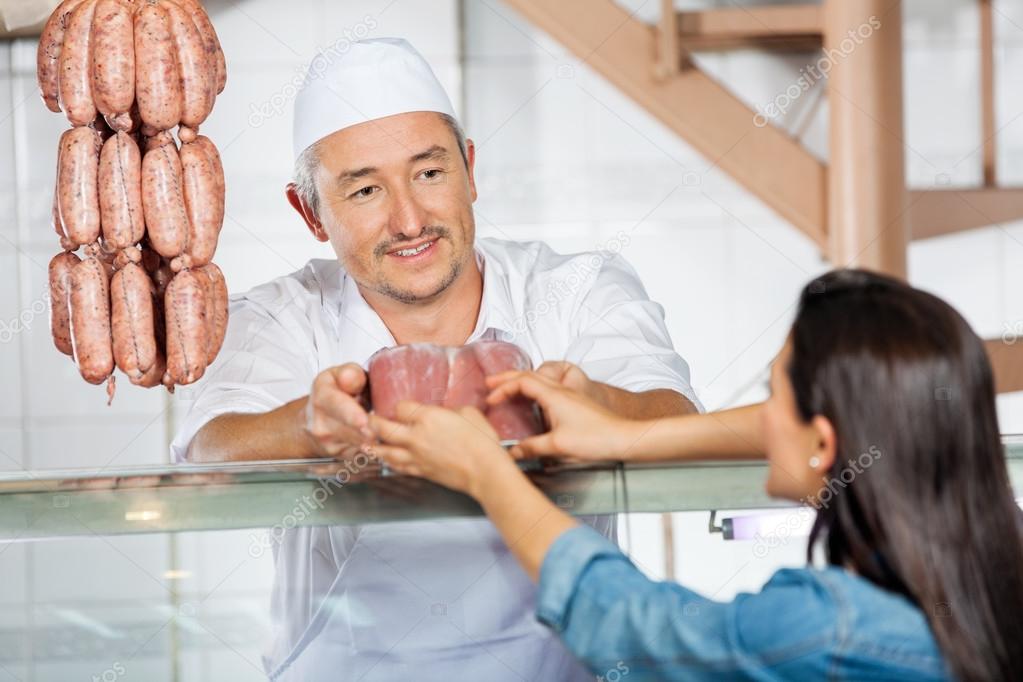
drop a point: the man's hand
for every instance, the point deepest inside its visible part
(334, 415)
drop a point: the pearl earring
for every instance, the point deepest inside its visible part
(815, 462)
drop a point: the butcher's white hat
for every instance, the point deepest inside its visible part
(372, 79)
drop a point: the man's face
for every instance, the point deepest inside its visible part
(396, 202)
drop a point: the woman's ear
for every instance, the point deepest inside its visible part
(307, 213)
(826, 444)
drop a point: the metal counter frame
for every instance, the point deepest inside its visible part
(280, 494)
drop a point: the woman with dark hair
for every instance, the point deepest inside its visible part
(881, 416)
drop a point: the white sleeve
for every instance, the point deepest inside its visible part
(619, 335)
(262, 365)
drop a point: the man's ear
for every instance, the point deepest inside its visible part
(307, 213)
(827, 442)
(470, 162)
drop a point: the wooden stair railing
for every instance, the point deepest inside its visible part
(856, 208)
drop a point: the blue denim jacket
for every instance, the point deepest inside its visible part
(805, 624)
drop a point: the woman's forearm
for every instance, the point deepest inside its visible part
(728, 434)
(527, 520)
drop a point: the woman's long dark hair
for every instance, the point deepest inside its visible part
(925, 507)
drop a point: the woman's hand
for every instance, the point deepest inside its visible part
(580, 427)
(458, 449)
(572, 376)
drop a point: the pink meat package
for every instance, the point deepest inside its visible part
(453, 377)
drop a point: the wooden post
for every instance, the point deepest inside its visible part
(668, 541)
(669, 54)
(987, 92)
(867, 198)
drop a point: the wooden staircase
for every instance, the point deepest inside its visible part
(856, 208)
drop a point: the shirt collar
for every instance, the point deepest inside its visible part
(361, 332)
(497, 310)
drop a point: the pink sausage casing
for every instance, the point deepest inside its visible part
(216, 309)
(185, 311)
(113, 60)
(130, 254)
(155, 374)
(217, 167)
(158, 373)
(159, 138)
(210, 40)
(195, 66)
(78, 185)
(132, 321)
(204, 199)
(102, 252)
(74, 79)
(209, 305)
(51, 42)
(216, 164)
(120, 193)
(58, 225)
(157, 81)
(60, 320)
(89, 306)
(163, 202)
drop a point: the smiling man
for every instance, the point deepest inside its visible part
(384, 173)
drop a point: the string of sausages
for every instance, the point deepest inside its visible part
(145, 212)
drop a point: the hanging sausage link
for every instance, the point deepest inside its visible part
(143, 295)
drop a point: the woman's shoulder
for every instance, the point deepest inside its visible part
(856, 604)
(857, 623)
(883, 621)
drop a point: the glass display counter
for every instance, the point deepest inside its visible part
(354, 492)
(164, 573)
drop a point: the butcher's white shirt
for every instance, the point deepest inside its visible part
(426, 600)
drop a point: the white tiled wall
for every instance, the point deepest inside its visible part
(116, 590)
(562, 157)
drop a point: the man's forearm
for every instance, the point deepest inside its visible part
(661, 402)
(277, 434)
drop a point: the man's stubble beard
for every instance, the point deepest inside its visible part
(410, 298)
(437, 232)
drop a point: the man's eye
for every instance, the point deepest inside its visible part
(362, 193)
(432, 173)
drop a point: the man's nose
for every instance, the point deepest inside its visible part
(408, 219)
